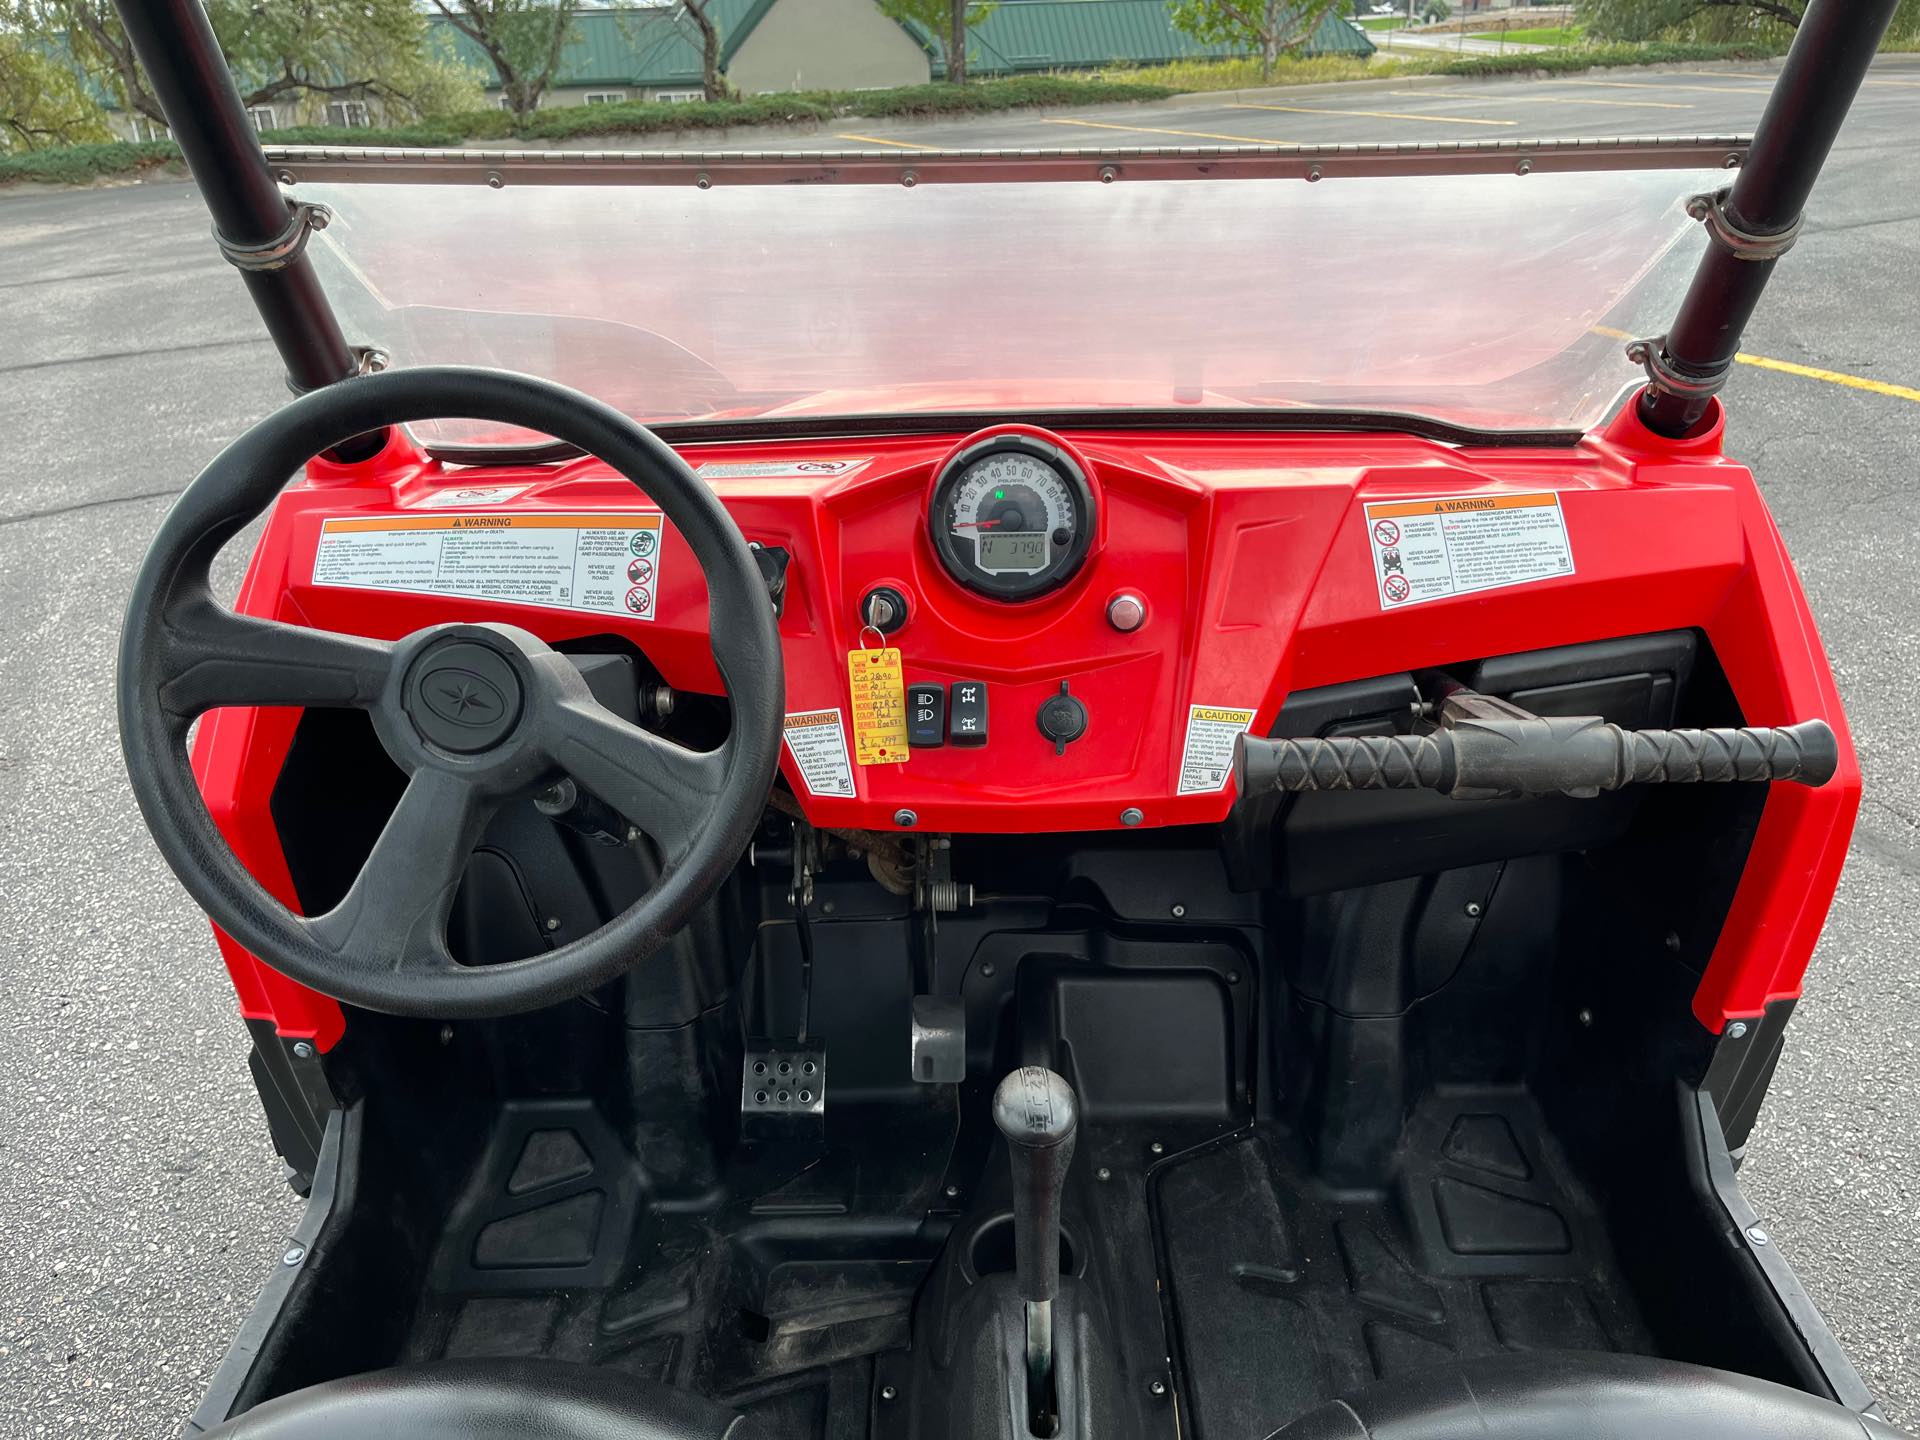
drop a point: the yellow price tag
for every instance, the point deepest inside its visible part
(879, 707)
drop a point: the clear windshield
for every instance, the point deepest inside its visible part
(1491, 301)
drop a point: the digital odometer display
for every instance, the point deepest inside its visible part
(1012, 516)
(1024, 550)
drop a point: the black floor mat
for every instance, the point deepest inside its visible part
(1285, 1294)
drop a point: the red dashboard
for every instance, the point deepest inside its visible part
(1260, 563)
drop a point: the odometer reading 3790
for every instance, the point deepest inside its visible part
(1012, 516)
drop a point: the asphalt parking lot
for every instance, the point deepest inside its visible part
(140, 1203)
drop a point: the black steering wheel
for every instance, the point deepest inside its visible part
(473, 714)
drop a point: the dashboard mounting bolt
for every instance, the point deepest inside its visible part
(553, 922)
(887, 1392)
(1179, 912)
(293, 1254)
(1757, 1235)
(1475, 909)
(1131, 815)
(1104, 1173)
(905, 819)
(987, 971)
(953, 1192)
(302, 1050)
(1737, 1030)
(1157, 1148)
(1585, 1017)
(1157, 1388)
(1233, 977)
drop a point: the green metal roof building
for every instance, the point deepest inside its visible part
(1021, 37)
(780, 45)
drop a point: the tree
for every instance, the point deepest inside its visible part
(1715, 20)
(523, 38)
(947, 21)
(287, 50)
(43, 101)
(1268, 26)
(712, 82)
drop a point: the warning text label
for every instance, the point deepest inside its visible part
(817, 740)
(1453, 545)
(608, 564)
(1206, 761)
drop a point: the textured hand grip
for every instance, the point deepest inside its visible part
(1486, 756)
(1358, 762)
(1807, 752)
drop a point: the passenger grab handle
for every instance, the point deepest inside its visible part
(1486, 748)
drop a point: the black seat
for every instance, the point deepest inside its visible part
(1568, 1395)
(490, 1400)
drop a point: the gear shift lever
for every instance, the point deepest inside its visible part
(1036, 1110)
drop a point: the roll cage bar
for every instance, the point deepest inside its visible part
(1750, 223)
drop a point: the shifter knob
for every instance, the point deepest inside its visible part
(1036, 1110)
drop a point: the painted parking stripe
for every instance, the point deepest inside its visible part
(1192, 134)
(1806, 372)
(1686, 89)
(1372, 114)
(1556, 100)
(882, 140)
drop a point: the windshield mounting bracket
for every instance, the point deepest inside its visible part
(1738, 241)
(1666, 377)
(303, 218)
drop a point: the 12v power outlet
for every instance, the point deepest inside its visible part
(463, 697)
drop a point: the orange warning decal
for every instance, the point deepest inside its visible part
(1395, 510)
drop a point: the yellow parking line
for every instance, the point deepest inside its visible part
(1373, 114)
(1689, 89)
(1558, 100)
(1194, 134)
(878, 140)
(1832, 377)
(1806, 372)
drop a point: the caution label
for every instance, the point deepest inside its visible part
(1207, 760)
(775, 469)
(1454, 545)
(818, 743)
(879, 706)
(465, 497)
(607, 564)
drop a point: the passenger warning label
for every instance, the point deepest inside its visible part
(1207, 760)
(608, 564)
(1453, 545)
(776, 469)
(817, 740)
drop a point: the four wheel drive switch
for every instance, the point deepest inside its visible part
(926, 714)
(967, 715)
(1062, 719)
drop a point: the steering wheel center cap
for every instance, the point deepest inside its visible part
(464, 697)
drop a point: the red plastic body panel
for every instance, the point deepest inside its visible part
(1251, 553)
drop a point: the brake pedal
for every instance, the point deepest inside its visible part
(783, 1090)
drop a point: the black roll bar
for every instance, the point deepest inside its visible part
(257, 228)
(1752, 224)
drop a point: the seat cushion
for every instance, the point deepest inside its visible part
(1570, 1395)
(490, 1400)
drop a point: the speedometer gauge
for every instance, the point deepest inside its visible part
(1012, 516)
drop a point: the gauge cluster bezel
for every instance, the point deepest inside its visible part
(955, 555)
